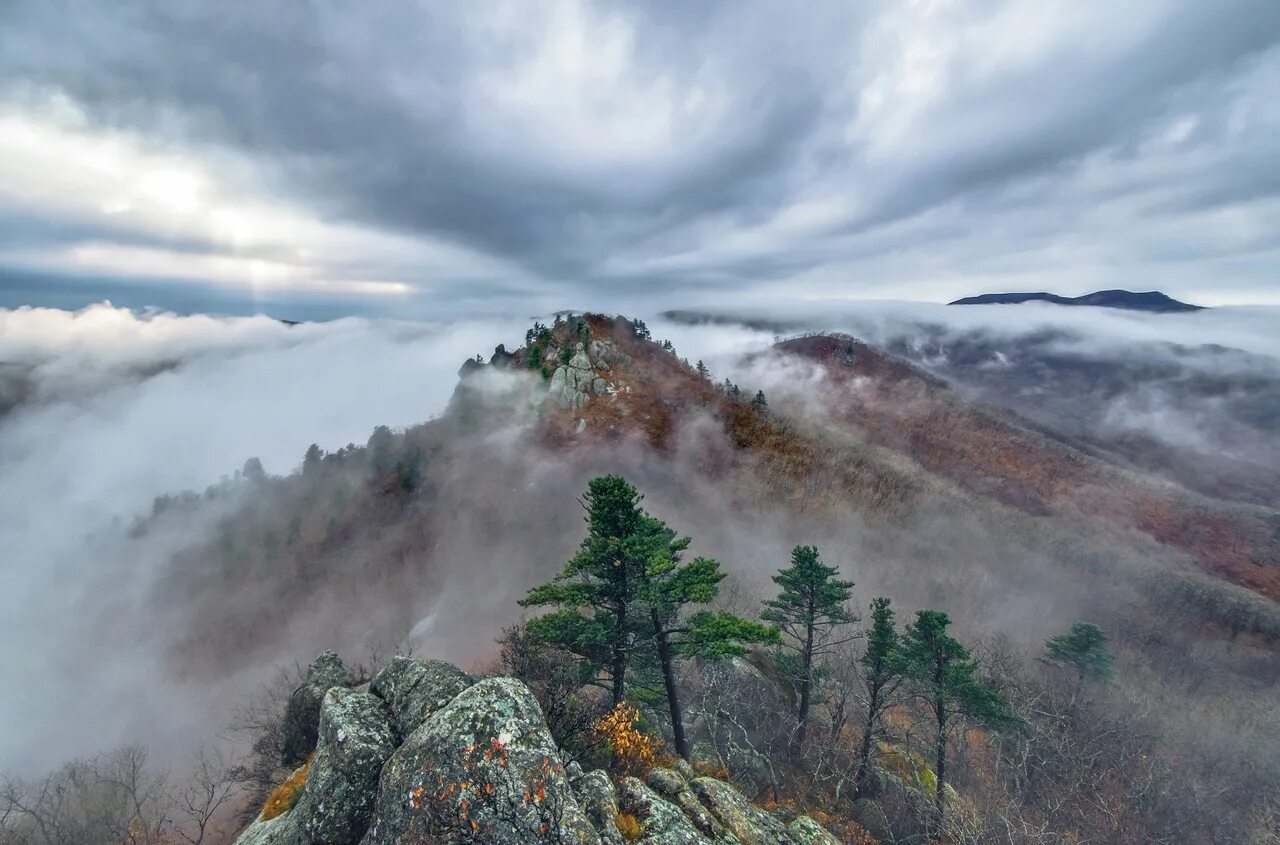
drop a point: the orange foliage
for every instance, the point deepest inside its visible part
(628, 825)
(634, 751)
(284, 796)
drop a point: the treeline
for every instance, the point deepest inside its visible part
(121, 798)
(897, 729)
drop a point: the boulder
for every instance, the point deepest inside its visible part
(484, 767)
(598, 800)
(501, 358)
(414, 689)
(868, 814)
(805, 831)
(571, 384)
(282, 830)
(661, 822)
(355, 739)
(743, 820)
(740, 720)
(302, 714)
(672, 786)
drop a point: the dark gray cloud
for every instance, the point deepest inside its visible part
(553, 150)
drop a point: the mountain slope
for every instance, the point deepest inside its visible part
(856, 449)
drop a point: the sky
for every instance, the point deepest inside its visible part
(313, 160)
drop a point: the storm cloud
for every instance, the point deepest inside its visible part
(412, 159)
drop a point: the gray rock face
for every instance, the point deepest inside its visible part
(605, 353)
(425, 754)
(342, 785)
(739, 722)
(599, 801)
(672, 786)
(302, 714)
(282, 830)
(414, 689)
(662, 822)
(743, 820)
(806, 831)
(501, 358)
(484, 767)
(573, 384)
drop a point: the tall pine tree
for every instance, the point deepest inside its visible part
(596, 591)
(942, 673)
(882, 667)
(1083, 648)
(809, 611)
(669, 588)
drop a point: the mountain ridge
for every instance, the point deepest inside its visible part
(1153, 301)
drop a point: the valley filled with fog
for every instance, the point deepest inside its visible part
(105, 409)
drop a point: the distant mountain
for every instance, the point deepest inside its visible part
(1152, 300)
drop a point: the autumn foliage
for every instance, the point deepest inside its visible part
(633, 751)
(628, 825)
(284, 796)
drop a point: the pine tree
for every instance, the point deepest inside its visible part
(809, 610)
(1083, 648)
(597, 589)
(942, 673)
(379, 449)
(882, 667)
(311, 460)
(759, 402)
(703, 372)
(669, 588)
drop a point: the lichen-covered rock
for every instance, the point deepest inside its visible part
(282, 830)
(355, 740)
(671, 785)
(598, 800)
(868, 814)
(665, 782)
(743, 820)
(661, 822)
(738, 721)
(483, 766)
(805, 831)
(572, 384)
(302, 714)
(605, 354)
(414, 689)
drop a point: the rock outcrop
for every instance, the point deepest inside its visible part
(414, 689)
(302, 714)
(573, 383)
(355, 740)
(485, 762)
(427, 754)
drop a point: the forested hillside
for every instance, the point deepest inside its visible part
(843, 587)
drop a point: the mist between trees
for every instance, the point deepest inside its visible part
(431, 535)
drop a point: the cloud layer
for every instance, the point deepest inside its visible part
(562, 153)
(103, 410)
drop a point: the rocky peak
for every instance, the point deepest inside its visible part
(427, 754)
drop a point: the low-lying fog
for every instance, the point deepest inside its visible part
(104, 409)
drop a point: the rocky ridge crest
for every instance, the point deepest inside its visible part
(425, 753)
